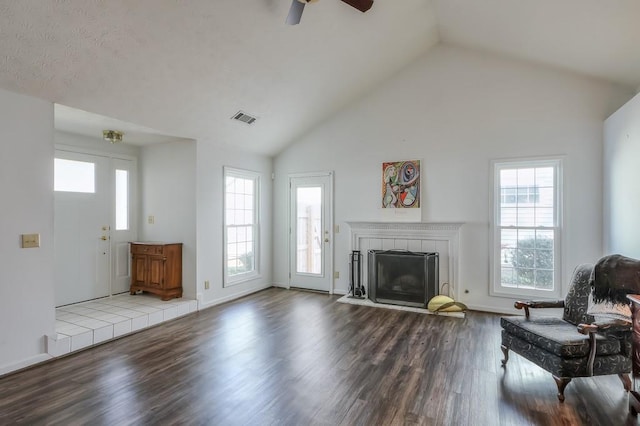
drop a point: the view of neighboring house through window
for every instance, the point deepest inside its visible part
(241, 225)
(526, 227)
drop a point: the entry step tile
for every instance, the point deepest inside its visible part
(183, 309)
(58, 344)
(63, 315)
(89, 323)
(71, 329)
(156, 317)
(92, 323)
(82, 340)
(138, 323)
(112, 318)
(129, 313)
(92, 305)
(80, 310)
(102, 334)
(122, 328)
(170, 313)
(146, 309)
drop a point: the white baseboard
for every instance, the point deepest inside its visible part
(211, 303)
(9, 368)
(493, 309)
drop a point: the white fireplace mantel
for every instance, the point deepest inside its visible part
(442, 237)
(408, 226)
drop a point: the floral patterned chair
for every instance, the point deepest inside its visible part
(571, 346)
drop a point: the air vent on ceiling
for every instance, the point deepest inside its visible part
(245, 118)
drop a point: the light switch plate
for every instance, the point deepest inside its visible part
(30, 240)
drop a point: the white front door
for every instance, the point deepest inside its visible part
(94, 220)
(311, 231)
(81, 227)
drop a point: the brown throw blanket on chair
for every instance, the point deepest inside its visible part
(614, 277)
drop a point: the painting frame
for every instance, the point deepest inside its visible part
(401, 185)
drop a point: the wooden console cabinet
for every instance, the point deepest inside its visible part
(634, 394)
(157, 268)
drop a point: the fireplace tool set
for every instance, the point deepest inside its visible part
(356, 289)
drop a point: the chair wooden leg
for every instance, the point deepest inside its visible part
(634, 403)
(505, 351)
(626, 381)
(562, 383)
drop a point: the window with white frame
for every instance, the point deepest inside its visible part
(74, 176)
(526, 227)
(241, 191)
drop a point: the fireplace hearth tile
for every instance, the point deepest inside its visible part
(368, 302)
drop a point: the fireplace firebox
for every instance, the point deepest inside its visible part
(401, 277)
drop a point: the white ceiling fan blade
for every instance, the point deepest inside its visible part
(295, 13)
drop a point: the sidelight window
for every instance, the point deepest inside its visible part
(122, 199)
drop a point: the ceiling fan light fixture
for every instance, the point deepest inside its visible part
(295, 12)
(297, 6)
(361, 5)
(113, 136)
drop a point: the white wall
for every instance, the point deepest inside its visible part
(622, 180)
(211, 159)
(26, 187)
(167, 181)
(456, 110)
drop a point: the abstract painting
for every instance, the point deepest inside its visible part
(401, 184)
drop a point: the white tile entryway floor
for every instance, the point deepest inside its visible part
(90, 323)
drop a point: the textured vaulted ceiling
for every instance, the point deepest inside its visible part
(182, 68)
(593, 37)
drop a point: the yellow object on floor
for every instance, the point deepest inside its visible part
(443, 303)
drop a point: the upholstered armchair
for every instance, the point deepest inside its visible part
(574, 345)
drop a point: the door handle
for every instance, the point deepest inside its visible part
(104, 238)
(326, 240)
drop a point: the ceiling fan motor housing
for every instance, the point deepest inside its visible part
(297, 6)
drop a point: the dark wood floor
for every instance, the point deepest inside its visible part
(297, 358)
